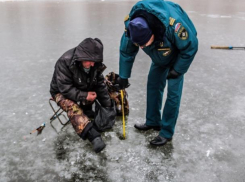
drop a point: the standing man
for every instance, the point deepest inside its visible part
(77, 82)
(165, 33)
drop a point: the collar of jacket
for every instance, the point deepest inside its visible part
(99, 67)
(157, 8)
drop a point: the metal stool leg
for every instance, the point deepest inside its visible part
(57, 114)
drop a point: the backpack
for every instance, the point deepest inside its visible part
(115, 93)
(105, 117)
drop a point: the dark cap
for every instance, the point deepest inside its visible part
(139, 30)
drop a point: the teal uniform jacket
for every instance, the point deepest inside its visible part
(176, 51)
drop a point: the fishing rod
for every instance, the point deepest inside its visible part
(39, 129)
(226, 47)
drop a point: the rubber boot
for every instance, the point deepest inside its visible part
(95, 138)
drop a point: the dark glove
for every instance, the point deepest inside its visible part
(172, 74)
(123, 83)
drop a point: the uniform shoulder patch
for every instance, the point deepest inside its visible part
(171, 21)
(126, 18)
(182, 34)
(177, 27)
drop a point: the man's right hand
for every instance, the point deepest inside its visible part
(91, 96)
(123, 83)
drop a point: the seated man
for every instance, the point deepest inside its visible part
(77, 81)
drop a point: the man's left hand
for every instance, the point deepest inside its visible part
(172, 74)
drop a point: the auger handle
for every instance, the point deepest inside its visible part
(221, 47)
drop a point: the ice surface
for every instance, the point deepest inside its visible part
(208, 145)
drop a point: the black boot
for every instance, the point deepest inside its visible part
(159, 141)
(144, 127)
(96, 140)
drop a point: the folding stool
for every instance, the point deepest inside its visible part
(57, 114)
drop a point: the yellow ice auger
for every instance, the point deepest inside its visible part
(122, 97)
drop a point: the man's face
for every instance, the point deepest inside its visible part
(148, 43)
(87, 64)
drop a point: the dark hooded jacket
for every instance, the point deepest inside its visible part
(70, 79)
